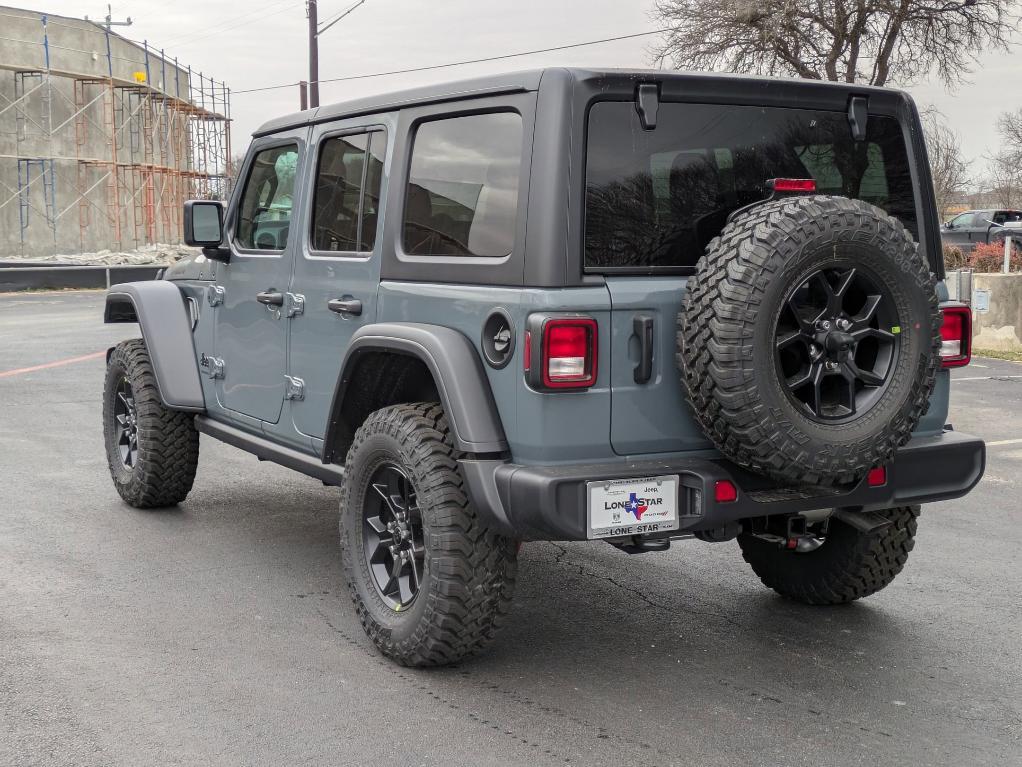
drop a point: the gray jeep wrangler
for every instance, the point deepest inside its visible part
(565, 305)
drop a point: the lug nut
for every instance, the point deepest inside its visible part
(844, 324)
(824, 324)
(831, 365)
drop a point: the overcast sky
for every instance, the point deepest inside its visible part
(259, 43)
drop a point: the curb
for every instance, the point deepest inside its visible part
(36, 277)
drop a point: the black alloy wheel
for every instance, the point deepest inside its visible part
(837, 343)
(392, 539)
(126, 425)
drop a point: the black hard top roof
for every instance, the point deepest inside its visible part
(527, 80)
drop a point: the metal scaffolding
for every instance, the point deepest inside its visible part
(141, 146)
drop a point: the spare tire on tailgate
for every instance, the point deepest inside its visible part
(809, 338)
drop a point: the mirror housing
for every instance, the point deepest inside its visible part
(948, 225)
(204, 228)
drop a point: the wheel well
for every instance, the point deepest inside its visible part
(379, 379)
(120, 309)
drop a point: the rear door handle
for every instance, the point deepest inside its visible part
(270, 298)
(346, 305)
(642, 326)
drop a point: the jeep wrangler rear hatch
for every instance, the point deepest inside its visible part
(655, 197)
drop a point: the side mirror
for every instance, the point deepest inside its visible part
(948, 225)
(204, 227)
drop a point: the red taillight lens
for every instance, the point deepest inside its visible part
(956, 336)
(794, 185)
(877, 477)
(569, 353)
(724, 491)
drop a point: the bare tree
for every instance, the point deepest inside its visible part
(948, 167)
(1009, 125)
(1004, 167)
(854, 41)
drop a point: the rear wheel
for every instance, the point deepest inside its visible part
(152, 451)
(842, 566)
(430, 583)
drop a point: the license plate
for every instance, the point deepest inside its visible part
(632, 506)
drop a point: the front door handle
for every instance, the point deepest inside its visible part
(346, 305)
(270, 298)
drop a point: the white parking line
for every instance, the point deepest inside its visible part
(981, 378)
(1000, 442)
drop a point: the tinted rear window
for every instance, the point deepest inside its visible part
(463, 186)
(656, 198)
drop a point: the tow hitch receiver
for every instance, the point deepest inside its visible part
(803, 532)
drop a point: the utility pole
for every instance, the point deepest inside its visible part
(315, 30)
(313, 55)
(109, 21)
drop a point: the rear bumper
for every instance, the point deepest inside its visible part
(549, 502)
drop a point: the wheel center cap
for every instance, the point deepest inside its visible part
(837, 342)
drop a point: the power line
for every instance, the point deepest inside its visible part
(461, 63)
(230, 25)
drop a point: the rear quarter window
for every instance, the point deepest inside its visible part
(462, 196)
(656, 198)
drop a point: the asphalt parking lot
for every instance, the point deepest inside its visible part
(220, 632)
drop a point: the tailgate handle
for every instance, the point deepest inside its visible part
(642, 326)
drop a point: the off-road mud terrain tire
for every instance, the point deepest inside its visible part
(167, 442)
(469, 571)
(849, 565)
(726, 342)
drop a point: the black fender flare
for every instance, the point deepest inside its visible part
(159, 309)
(458, 372)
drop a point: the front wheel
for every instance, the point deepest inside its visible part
(843, 566)
(152, 451)
(430, 583)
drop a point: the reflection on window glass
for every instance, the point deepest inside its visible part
(463, 186)
(339, 193)
(347, 197)
(656, 198)
(264, 218)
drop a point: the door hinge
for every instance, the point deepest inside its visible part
(295, 304)
(215, 296)
(214, 366)
(294, 388)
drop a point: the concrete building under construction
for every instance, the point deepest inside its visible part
(101, 138)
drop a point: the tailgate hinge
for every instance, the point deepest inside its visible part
(647, 102)
(858, 115)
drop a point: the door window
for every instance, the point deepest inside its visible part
(462, 197)
(264, 217)
(347, 197)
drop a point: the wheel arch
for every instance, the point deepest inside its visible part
(161, 313)
(391, 363)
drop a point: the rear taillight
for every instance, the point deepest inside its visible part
(566, 353)
(956, 336)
